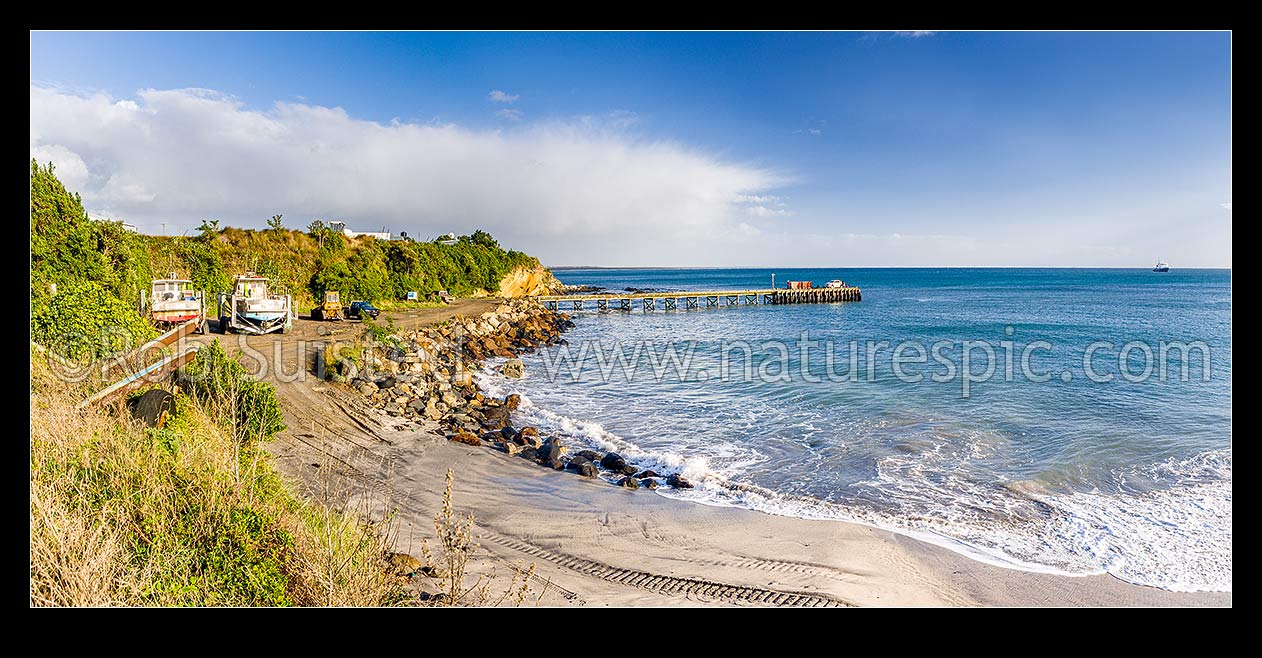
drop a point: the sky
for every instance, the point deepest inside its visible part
(821, 149)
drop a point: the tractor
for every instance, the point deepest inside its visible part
(329, 309)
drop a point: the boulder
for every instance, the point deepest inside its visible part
(513, 368)
(386, 382)
(629, 482)
(649, 483)
(576, 463)
(466, 438)
(512, 448)
(512, 401)
(647, 474)
(677, 481)
(587, 470)
(629, 470)
(529, 453)
(613, 461)
(589, 455)
(551, 450)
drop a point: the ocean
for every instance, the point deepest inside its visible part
(1091, 433)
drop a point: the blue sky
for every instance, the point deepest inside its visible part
(1075, 149)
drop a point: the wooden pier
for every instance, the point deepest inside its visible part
(689, 299)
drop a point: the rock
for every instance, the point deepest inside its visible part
(677, 481)
(451, 399)
(647, 474)
(403, 564)
(512, 401)
(613, 461)
(551, 450)
(629, 470)
(649, 483)
(513, 368)
(576, 463)
(507, 433)
(629, 482)
(512, 448)
(348, 369)
(529, 453)
(466, 438)
(386, 382)
(491, 437)
(589, 455)
(529, 431)
(587, 469)
(557, 464)
(432, 412)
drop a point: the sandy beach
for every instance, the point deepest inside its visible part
(594, 544)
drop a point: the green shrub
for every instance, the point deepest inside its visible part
(86, 320)
(221, 383)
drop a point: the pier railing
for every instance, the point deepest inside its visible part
(692, 299)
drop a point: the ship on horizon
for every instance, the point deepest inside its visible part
(1161, 267)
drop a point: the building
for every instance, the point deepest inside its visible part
(340, 227)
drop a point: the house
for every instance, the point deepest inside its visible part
(340, 227)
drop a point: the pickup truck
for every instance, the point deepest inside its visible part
(361, 309)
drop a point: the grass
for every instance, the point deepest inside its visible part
(187, 515)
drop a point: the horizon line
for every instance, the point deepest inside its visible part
(875, 267)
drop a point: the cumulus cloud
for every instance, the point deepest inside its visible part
(512, 114)
(565, 191)
(1226, 206)
(498, 96)
(914, 34)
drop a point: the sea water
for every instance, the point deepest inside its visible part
(1049, 463)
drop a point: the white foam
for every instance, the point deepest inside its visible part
(1176, 538)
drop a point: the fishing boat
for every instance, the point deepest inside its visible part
(835, 283)
(173, 301)
(253, 308)
(1161, 267)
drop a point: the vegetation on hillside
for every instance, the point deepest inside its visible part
(104, 268)
(189, 514)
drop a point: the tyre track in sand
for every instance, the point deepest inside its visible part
(670, 585)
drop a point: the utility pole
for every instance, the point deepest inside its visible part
(164, 229)
(773, 280)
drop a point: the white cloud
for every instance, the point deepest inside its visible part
(756, 198)
(1226, 206)
(764, 211)
(498, 96)
(815, 131)
(914, 34)
(512, 114)
(561, 190)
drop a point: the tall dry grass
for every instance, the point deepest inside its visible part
(187, 515)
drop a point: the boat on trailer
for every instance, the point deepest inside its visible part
(254, 308)
(172, 301)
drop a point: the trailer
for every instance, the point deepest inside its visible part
(253, 308)
(172, 301)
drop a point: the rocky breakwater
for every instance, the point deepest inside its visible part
(427, 375)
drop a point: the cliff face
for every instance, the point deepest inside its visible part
(525, 282)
